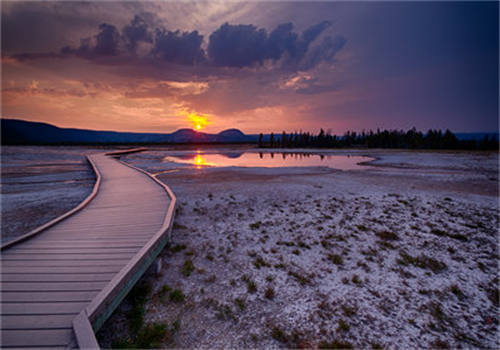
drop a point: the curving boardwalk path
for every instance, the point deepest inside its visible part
(59, 284)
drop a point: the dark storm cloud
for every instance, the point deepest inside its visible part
(135, 32)
(247, 45)
(238, 45)
(229, 46)
(177, 47)
(106, 43)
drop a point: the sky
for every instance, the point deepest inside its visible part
(256, 66)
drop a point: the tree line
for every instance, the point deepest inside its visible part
(411, 139)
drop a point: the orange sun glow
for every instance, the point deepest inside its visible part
(198, 121)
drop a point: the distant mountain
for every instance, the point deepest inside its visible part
(16, 131)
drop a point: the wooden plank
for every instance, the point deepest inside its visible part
(83, 332)
(70, 251)
(88, 243)
(37, 297)
(91, 226)
(104, 242)
(53, 270)
(63, 263)
(37, 338)
(71, 257)
(42, 308)
(36, 321)
(51, 286)
(33, 278)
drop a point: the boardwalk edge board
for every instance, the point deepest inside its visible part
(103, 305)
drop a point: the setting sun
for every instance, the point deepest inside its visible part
(198, 121)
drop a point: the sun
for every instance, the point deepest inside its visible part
(198, 121)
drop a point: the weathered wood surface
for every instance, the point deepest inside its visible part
(50, 278)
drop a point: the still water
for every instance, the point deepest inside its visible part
(269, 160)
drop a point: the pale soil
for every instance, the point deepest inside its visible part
(400, 257)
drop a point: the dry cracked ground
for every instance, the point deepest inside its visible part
(322, 258)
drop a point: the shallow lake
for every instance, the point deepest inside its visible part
(268, 160)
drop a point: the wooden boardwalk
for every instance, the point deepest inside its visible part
(61, 284)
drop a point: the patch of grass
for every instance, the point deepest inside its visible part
(188, 267)
(349, 311)
(336, 259)
(255, 225)
(260, 262)
(387, 235)
(177, 248)
(296, 252)
(179, 226)
(303, 245)
(440, 344)
(355, 279)
(151, 336)
(385, 244)
(345, 280)
(269, 293)
(211, 279)
(303, 280)
(177, 296)
(209, 257)
(422, 261)
(240, 303)
(456, 290)
(279, 335)
(224, 313)
(436, 311)
(335, 344)
(269, 278)
(362, 227)
(280, 266)
(343, 326)
(251, 286)
(164, 290)
(442, 233)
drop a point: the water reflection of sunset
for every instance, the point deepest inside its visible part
(264, 159)
(199, 161)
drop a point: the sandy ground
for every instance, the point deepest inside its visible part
(404, 255)
(39, 184)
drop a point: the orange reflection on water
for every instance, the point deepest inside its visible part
(199, 161)
(264, 159)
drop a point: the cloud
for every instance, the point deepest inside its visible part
(135, 32)
(105, 43)
(177, 47)
(325, 52)
(236, 46)
(247, 46)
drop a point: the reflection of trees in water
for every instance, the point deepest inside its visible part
(294, 155)
(232, 155)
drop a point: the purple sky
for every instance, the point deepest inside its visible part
(256, 66)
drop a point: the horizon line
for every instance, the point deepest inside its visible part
(264, 133)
